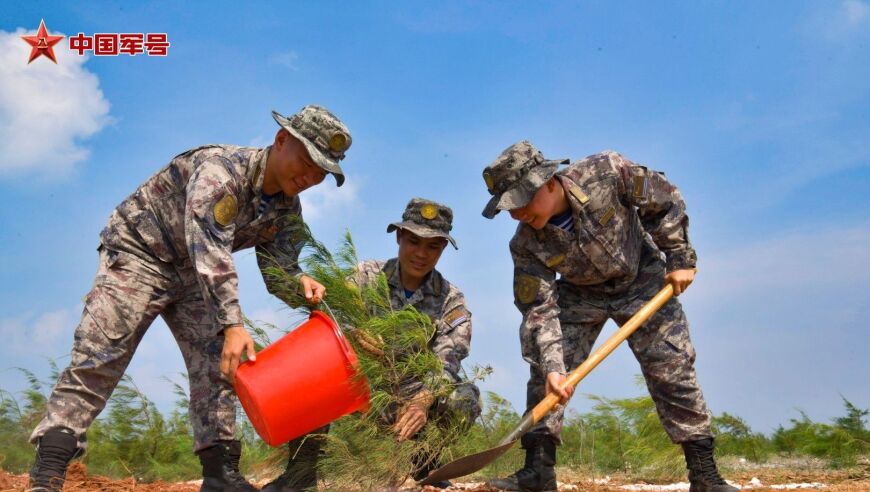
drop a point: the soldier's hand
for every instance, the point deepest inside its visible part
(554, 385)
(411, 419)
(312, 289)
(236, 341)
(680, 279)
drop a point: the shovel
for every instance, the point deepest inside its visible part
(472, 463)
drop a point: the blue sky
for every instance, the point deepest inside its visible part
(758, 111)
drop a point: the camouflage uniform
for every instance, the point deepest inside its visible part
(445, 305)
(167, 250)
(630, 231)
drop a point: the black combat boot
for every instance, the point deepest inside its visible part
(301, 471)
(703, 475)
(538, 474)
(54, 450)
(220, 468)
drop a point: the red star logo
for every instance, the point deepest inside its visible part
(42, 43)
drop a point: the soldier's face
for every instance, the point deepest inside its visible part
(547, 202)
(290, 169)
(418, 255)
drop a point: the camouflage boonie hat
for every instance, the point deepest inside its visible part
(515, 176)
(426, 218)
(324, 135)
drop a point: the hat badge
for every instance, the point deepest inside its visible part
(338, 142)
(429, 211)
(487, 178)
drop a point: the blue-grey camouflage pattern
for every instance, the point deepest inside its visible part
(445, 305)
(167, 250)
(630, 230)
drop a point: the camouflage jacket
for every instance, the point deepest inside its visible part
(614, 203)
(198, 210)
(436, 298)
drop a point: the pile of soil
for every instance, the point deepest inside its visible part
(78, 480)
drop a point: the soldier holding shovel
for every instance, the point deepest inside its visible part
(591, 224)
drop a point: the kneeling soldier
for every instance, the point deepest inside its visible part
(422, 236)
(591, 225)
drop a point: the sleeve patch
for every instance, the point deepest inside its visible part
(456, 317)
(526, 288)
(226, 210)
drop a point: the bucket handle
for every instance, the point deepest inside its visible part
(338, 332)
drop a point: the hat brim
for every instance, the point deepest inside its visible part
(322, 160)
(523, 191)
(421, 231)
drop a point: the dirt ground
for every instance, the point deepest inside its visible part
(755, 478)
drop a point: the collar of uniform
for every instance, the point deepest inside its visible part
(257, 169)
(256, 174)
(434, 283)
(575, 195)
(573, 201)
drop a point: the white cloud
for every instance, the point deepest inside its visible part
(855, 11)
(49, 327)
(46, 110)
(839, 24)
(800, 259)
(48, 332)
(327, 200)
(785, 316)
(287, 59)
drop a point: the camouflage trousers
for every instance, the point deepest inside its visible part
(129, 292)
(661, 346)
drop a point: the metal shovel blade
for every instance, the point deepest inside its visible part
(466, 465)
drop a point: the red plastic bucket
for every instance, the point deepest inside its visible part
(302, 382)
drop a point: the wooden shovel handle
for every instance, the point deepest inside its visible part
(643, 314)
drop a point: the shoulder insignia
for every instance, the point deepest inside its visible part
(640, 186)
(555, 260)
(526, 288)
(578, 194)
(455, 317)
(225, 210)
(607, 216)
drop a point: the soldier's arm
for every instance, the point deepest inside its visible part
(661, 209)
(536, 297)
(452, 340)
(283, 252)
(211, 207)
